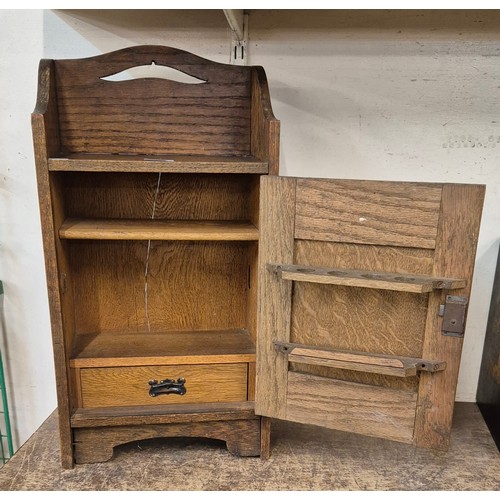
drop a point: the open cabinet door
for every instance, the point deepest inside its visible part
(363, 291)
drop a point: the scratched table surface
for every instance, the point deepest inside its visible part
(304, 457)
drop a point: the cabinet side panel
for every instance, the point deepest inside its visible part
(277, 217)
(455, 252)
(265, 136)
(59, 323)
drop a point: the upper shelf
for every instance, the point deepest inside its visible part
(367, 279)
(155, 229)
(159, 163)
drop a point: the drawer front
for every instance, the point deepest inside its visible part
(128, 386)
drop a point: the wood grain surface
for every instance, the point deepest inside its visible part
(367, 279)
(153, 116)
(456, 243)
(358, 408)
(127, 386)
(277, 215)
(94, 195)
(148, 229)
(251, 381)
(265, 136)
(360, 319)
(191, 286)
(45, 125)
(96, 445)
(194, 164)
(161, 414)
(132, 349)
(368, 212)
(358, 361)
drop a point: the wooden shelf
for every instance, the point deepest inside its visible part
(161, 414)
(168, 348)
(149, 229)
(397, 366)
(159, 163)
(367, 279)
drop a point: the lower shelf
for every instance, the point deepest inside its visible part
(161, 414)
(167, 348)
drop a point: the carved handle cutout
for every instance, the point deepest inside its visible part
(153, 70)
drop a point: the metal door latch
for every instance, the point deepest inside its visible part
(453, 312)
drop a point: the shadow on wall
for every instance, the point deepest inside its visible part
(109, 30)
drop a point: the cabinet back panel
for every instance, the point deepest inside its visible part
(360, 319)
(190, 285)
(153, 115)
(180, 196)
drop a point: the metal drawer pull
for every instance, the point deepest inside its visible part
(167, 386)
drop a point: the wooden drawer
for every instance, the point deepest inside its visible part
(128, 386)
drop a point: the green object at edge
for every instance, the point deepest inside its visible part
(5, 405)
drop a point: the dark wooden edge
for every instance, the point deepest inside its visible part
(265, 438)
(45, 72)
(104, 65)
(46, 143)
(265, 140)
(161, 414)
(45, 112)
(488, 387)
(265, 96)
(491, 415)
(45, 140)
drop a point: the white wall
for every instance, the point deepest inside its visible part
(367, 95)
(25, 337)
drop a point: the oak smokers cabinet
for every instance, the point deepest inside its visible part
(186, 279)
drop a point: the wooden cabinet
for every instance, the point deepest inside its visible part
(173, 249)
(149, 197)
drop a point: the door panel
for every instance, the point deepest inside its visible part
(380, 213)
(351, 337)
(360, 408)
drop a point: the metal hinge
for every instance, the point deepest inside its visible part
(453, 312)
